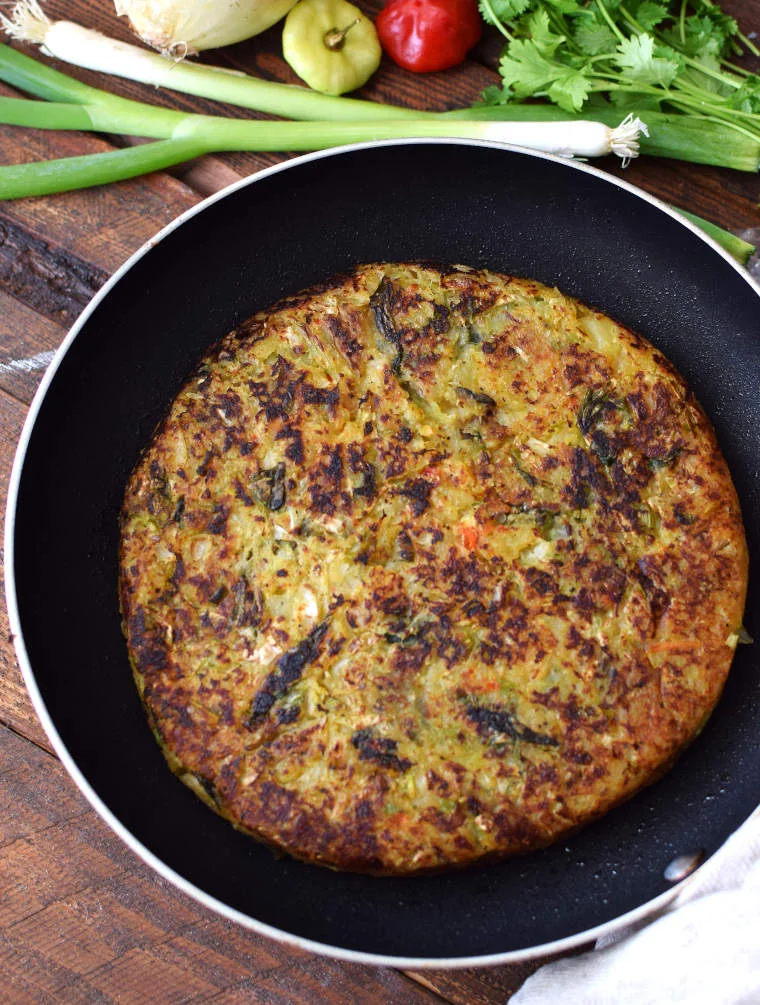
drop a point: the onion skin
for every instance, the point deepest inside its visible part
(178, 29)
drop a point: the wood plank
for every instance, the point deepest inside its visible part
(15, 706)
(54, 865)
(208, 175)
(81, 918)
(21, 762)
(483, 985)
(27, 342)
(52, 281)
(102, 226)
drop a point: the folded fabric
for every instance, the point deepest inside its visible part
(704, 948)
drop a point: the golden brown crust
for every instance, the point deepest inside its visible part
(429, 566)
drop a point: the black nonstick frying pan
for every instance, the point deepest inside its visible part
(444, 201)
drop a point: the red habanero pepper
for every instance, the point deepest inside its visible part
(428, 35)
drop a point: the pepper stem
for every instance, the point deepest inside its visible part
(335, 38)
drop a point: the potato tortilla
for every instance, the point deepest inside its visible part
(428, 566)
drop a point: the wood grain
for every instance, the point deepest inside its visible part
(16, 708)
(50, 280)
(27, 340)
(483, 985)
(104, 225)
(103, 927)
(81, 918)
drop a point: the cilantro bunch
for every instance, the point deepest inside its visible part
(672, 57)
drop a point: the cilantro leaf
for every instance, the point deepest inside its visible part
(503, 10)
(539, 29)
(721, 25)
(494, 95)
(649, 14)
(526, 70)
(705, 80)
(626, 102)
(595, 39)
(564, 7)
(699, 38)
(570, 90)
(639, 65)
(747, 97)
(639, 55)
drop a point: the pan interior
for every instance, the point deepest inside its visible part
(441, 202)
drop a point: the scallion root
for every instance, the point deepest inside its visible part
(28, 23)
(624, 139)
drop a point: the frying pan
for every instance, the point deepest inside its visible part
(445, 201)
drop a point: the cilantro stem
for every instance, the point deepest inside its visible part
(738, 70)
(670, 55)
(706, 108)
(610, 22)
(723, 78)
(602, 57)
(748, 44)
(701, 67)
(495, 20)
(690, 61)
(722, 120)
(561, 28)
(684, 95)
(708, 97)
(632, 22)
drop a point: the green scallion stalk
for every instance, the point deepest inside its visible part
(91, 50)
(691, 138)
(182, 137)
(738, 248)
(679, 137)
(108, 113)
(75, 105)
(65, 174)
(69, 173)
(43, 115)
(126, 116)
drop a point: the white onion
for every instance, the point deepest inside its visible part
(182, 27)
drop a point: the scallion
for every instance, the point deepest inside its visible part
(691, 138)
(109, 113)
(91, 50)
(679, 137)
(196, 135)
(74, 105)
(65, 174)
(738, 248)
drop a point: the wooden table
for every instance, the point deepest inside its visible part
(81, 918)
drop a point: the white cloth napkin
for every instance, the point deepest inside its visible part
(704, 949)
